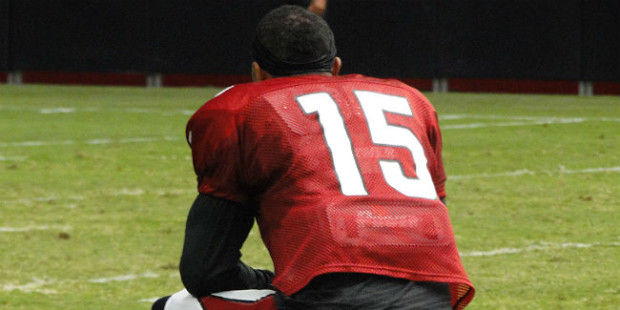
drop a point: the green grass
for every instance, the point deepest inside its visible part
(96, 183)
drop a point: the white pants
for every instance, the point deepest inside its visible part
(228, 300)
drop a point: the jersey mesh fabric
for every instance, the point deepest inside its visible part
(254, 144)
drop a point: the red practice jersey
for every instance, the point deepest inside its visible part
(345, 174)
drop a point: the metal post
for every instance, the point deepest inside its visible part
(154, 80)
(15, 78)
(586, 88)
(440, 85)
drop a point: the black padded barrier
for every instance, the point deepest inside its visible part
(601, 40)
(4, 35)
(512, 39)
(385, 38)
(79, 35)
(206, 37)
(518, 39)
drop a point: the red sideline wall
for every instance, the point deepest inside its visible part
(189, 80)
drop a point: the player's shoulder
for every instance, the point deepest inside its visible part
(231, 98)
(231, 102)
(241, 94)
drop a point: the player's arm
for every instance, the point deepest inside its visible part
(437, 171)
(214, 233)
(318, 6)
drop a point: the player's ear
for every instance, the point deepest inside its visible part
(255, 71)
(336, 66)
(258, 74)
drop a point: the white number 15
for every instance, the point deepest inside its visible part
(374, 105)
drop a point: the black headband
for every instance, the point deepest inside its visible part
(278, 67)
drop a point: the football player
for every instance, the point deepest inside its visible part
(343, 174)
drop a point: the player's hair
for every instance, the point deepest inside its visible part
(291, 40)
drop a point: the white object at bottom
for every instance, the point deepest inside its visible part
(182, 300)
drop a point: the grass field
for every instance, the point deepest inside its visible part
(95, 184)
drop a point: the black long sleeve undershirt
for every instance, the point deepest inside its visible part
(214, 233)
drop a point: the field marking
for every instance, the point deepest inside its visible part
(525, 117)
(33, 227)
(515, 123)
(516, 120)
(124, 278)
(541, 246)
(152, 300)
(69, 109)
(40, 199)
(89, 142)
(140, 191)
(113, 193)
(590, 170)
(12, 158)
(39, 285)
(525, 120)
(508, 124)
(561, 170)
(56, 110)
(32, 287)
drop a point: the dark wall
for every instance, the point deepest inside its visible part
(509, 39)
(601, 40)
(516, 39)
(79, 35)
(4, 35)
(385, 38)
(205, 36)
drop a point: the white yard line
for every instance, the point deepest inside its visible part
(530, 172)
(57, 110)
(140, 191)
(541, 246)
(112, 193)
(65, 110)
(127, 277)
(591, 170)
(514, 124)
(34, 200)
(39, 285)
(515, 120)
(32, 287)
(12, 158)
(89, 142)
(49, 286)
(142, 110)
(152, 300)
(525, 118)
(33, 227)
